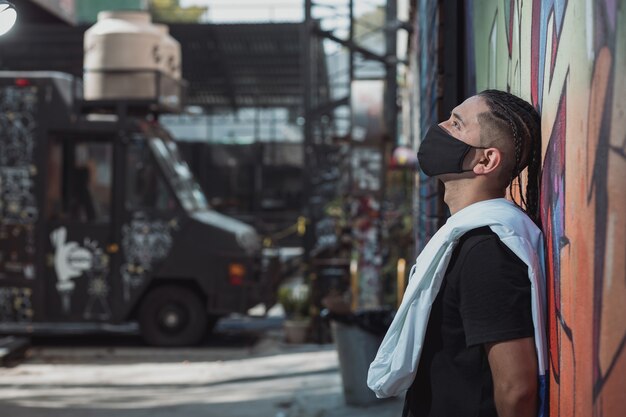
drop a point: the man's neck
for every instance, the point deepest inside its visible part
(458, 195)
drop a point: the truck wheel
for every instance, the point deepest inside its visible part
(172, 316)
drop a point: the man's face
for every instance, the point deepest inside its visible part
(463, 122)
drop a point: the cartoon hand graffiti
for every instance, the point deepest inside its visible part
(70, 261)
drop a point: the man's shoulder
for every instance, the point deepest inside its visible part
(478, 236)
(483, 243)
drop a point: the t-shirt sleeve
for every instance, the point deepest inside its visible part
(494, 293)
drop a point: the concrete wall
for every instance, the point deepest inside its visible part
(569, 59)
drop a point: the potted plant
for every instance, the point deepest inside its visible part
(295, 302)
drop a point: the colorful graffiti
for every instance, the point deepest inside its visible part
(568, 57)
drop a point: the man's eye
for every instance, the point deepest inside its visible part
(455, 124)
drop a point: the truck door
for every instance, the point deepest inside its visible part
(149, 221)
(80, 226)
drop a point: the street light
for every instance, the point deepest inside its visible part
(8, 16)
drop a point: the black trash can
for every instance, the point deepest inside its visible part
(357, 337)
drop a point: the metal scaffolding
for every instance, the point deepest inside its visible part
(371, 50)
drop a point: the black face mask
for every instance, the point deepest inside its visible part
(441, 153)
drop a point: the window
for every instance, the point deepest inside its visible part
(178, 174)
(80, 180)
(145, 188)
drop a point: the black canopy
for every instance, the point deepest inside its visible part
(226, 66)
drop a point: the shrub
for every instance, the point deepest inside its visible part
(295, 300)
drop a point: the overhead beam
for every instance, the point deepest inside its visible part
(366, 53)
(351, 45)
(330, 106)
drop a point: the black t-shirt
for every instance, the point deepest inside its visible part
(484, 298)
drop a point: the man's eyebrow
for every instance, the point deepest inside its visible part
(458, 117)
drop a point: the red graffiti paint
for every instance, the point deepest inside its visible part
(535, 36)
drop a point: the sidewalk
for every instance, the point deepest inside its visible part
(324, 398)
(272, 380)
(331, 404)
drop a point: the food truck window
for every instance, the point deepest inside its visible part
(145, 188)
(178, 174)
(80, 181)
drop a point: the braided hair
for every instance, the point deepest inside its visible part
(524, 123)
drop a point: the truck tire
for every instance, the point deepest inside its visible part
(172, 316)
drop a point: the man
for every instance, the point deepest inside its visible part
(479, 355)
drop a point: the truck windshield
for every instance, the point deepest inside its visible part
(178, 174)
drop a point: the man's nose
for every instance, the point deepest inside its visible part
(445, 126)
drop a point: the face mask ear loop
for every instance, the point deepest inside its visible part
(462, 158)
(465, 154)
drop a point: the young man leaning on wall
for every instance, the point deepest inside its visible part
(469, 338)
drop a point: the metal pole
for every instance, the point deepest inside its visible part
(350, 79)
(307, 147)
(401, 280)
(351, 41)
(391, 70)
(257, 124)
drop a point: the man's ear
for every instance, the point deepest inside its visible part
(489, 161)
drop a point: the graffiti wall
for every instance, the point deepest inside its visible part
(568, 57)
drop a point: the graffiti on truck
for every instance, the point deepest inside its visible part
(18, 205)
(87, 261)
(144, 242)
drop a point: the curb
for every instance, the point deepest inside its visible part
(12, 348)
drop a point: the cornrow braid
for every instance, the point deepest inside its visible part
(525, 125)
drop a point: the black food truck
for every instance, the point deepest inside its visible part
(102, 223)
